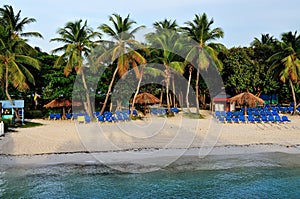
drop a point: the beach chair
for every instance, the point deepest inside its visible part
(74, 116)
(51, 116)
(57, 116)
(264, 119)
(251, 119)
(228, 119)
(258, 120)
(222, 120)
(80, 119)
(285, 119)
(278, 119)
(217, 114)
(235, 120)
(242, 119)
(100, 118)
(68, 116)
(87, 119)
(271, 118)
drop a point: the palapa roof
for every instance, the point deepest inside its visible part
(61, 103)
(246, 98)
(146, 98)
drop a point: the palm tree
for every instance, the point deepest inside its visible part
(123, 52)
(15, 53)
(286, 62)
(14, 64)
(165, 24)
(162, 26)
(266, 39)
(200, 31)
(167, 42)
(15, 23)
(77, 37)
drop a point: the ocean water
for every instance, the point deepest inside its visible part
(184, 181)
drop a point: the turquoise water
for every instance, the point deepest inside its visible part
(76, 181)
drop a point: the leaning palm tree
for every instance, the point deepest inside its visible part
(200, 31)
(15, 52)
(15, 23)
(123, 52)
(14, 63)
(286, 61)
(78, 38)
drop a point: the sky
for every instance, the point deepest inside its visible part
(241, 20)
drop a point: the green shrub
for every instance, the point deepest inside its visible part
(32, 114)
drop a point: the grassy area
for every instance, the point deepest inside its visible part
(27, 125)
(193, 115)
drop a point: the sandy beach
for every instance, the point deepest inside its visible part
(152, 138)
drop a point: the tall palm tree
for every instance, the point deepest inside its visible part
(14, 64)
(163, 26)
(15, 53)
(200, 31)
(15, 23)
(286, 61)
(167, 42)
(78, 38)
(123, 37)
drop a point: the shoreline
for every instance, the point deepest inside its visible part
(144, 160)
(152, 142)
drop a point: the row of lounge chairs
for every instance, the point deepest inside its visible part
(107, 116)
(164, 111)
(252, 117)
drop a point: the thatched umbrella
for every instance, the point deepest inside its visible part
(146, 98)
(61, 103)
(246, 99)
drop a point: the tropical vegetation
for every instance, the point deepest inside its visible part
(268, 65)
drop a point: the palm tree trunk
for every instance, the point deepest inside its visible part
(294, 96)
(167, 88)
(137, 91)
(187, 91)
(87, 95)
(161, 94)
(6, 90)
(6, 85)
(174, 91)
(197, 92)
(109, 89)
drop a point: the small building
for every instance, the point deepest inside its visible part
(221, 102)
(8, 110)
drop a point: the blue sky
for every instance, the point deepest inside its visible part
(241, 20)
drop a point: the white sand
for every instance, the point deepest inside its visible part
(154, 137)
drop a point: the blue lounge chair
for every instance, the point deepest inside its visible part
(251, 119)
(278, 119)
(271, 118)
(242, 119)
(87, 119)
(228, 119)
(235, 120)
(222, 119)
(51, 116)
(100, 118)
(285, 119)
(68, 116)
(57, 116)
